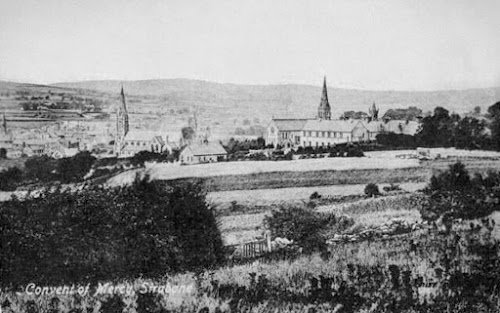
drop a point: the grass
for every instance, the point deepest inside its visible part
(239, 228)
(274, 180)
(250, 199)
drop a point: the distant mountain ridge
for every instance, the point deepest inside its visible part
(292, 99)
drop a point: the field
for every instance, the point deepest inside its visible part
(167, 171)
(244, 227)
(297, 194)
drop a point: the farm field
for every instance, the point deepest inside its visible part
(167, 171)
(240, 228)
(443, 152)
(297, 194)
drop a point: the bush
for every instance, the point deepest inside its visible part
(453, 194)
(146, 229)
(73, 169)
(371, 190)
(315, 195)
(300, 224)
(10, 178)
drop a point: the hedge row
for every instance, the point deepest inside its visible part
(146, 229)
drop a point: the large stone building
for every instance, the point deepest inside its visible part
(325, 131)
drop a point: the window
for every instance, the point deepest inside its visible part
(340, 135)
(322, 134)
(304, 132)
(329, 134)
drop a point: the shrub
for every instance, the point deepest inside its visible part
(73, 169)
(453, 194)
(146, 229)
(10, 178)
(315, 195)
(371, 190)
(300, 224)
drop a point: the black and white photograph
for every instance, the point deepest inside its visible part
(257, 156)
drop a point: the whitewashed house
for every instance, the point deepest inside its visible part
(202, 153)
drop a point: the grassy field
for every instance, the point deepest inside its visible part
(168, 171)
(245, 227)
(294, 194)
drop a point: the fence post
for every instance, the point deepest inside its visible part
(268, 240)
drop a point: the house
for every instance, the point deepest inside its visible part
(202, 153)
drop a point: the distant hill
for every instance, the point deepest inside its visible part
(298, 100)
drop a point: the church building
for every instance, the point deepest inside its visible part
(316, 132)
(129, 142)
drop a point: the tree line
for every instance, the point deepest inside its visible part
(442, 129)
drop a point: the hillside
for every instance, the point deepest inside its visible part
(291, 99)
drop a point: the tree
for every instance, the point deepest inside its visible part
(371, 190)
(300, 224)
(73, 169)
(453, 194)
(65, 236)
(494, 112)
(408, 114)
(188, 133)
(41, 168)
(437, 129)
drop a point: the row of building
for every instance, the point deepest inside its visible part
(325, 131)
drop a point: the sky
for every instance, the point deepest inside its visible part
(372, 45)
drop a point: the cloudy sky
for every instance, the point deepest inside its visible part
(393, 44)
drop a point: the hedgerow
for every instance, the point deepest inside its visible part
(146, 229)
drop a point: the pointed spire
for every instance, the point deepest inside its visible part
(324, 94)
(124, 104)
(324, 110)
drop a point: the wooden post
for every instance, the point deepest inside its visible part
(268, 240)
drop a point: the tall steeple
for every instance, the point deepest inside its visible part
(373, 112)
(122, 125)
(324, 110)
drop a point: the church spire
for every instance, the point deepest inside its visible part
(122, 125)
(324, 110)
(373, 112)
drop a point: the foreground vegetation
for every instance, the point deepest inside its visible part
(455, 268)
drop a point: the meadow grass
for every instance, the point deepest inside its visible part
(313, 178)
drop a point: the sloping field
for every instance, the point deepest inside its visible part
(272, 196)
(167, 171)
(442, 152)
